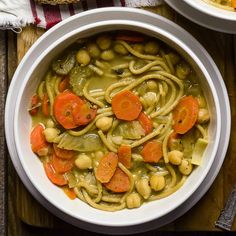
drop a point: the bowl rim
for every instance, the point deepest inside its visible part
(211, 10)
(17, 107)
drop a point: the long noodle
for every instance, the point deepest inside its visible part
(131, 179)
(106, 142)
(114, 86)
(90, 98)
(90, 125)
(147, 137)
(147, 67)
(164, 147)
(102, 206)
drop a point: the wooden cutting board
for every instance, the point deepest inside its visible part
(222, 47)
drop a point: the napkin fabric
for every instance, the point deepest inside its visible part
(15, 14)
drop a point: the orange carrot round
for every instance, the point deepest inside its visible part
(45, 105)
(63, 106)
(53, 176)
(37, 138)
(145, 122)
(152, 151)
(64, 84)
(126, 105)
(63, 153)
(83, 114)
(61, 165)
(107, 167)
(119, 182)
(34, 102)
(69, 192)
(124, 155)
(185, 114)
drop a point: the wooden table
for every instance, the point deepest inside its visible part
(21, 205)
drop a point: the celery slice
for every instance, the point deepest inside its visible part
(198, 151)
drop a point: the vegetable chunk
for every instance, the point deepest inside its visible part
(126, 105)
(119, 182)
(152, 151)
(185, 114)
(53, 176)
(63, 106)
(145, 122)
(37, 139)
(107, 167)
(124, 155)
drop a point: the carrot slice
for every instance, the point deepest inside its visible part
(53, 176)
(63, 153)
(145, 122)
(152, 151)
(63, 106)
(234, 4)
(185, 114)
(119, 182)
(69, 192)
(107, 167)
(34, 102)
(126, 105)
(61, 165)
(83, 114)
(128, 36)
(37, 138)
(45, 105)
(64, 84)
(124, 155)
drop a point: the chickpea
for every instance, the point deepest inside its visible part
(185, 167)
(138, 47)
(133, 200)
(152, 48)
(83, 57)
(143, 188)
(182, 70)
(203, 116)
(50, 123)
(104, 123)
(83, 162)
(107, 55)
(120, 49)
(152, 85)
(104, 42)
(50, 134)
(174, 58)
(175, 157)
(93, 50)
(157, 182)
(99, 154)
(150, 98)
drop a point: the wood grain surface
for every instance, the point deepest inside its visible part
(222, 48)
(3, 169)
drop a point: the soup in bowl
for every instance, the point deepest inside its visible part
(117, 120)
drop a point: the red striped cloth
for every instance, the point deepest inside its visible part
(46, 15)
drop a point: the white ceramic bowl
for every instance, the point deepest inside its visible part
(212, 10)
(33, 167)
